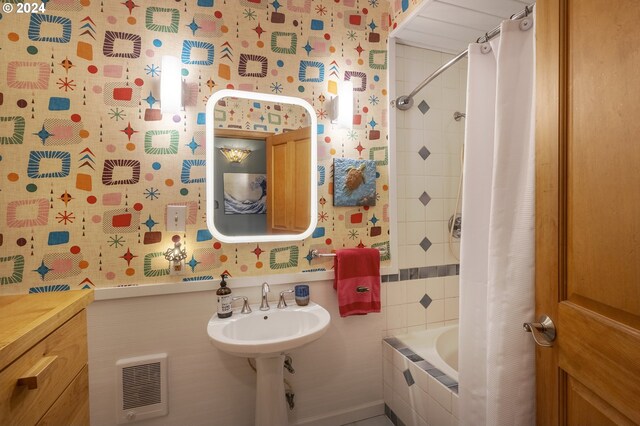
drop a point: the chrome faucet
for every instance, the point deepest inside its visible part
(264, 304)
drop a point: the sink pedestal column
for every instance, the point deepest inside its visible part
(271, 405)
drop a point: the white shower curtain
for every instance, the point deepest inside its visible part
(497, 360)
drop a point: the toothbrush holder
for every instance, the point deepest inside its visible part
(302, 294)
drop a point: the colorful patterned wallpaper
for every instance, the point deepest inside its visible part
(400, 9)
(259, 116)
(88, 163)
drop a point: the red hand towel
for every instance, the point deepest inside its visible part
(357, 268)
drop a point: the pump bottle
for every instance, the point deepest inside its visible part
(224, 298)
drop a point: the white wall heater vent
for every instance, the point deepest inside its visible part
(142, 388)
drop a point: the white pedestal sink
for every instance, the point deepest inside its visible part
(266, 336)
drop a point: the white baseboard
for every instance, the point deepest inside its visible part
(343, 417)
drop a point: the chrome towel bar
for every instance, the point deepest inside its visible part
(315, 253)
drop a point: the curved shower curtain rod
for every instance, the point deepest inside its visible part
(406, 102)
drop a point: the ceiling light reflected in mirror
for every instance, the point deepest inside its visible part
(235, 155)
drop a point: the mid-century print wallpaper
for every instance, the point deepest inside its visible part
(88, 163)
(400, 10)
(250, 115)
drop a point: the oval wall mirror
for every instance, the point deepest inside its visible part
(261, 167)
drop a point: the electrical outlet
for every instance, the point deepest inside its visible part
(176, 268)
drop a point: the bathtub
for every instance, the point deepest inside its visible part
(438, 346)
(420, 371)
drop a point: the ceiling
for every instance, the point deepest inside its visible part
(450, 25)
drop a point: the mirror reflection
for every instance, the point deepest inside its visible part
(261, 170)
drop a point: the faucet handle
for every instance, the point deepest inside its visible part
(246, 309)
(282, 303)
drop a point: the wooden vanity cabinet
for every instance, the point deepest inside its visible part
(43, 359)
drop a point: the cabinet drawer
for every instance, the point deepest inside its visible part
(72, 408)
(58, 357)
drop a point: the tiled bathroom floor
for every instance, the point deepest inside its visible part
(373, 421)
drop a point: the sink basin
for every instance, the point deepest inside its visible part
(268, 333)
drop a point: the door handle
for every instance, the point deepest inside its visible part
(543, 332)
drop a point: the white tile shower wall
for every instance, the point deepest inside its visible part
(429, 143)
(428, 148)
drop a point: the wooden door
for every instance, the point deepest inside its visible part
(288, 181)
(588, 210)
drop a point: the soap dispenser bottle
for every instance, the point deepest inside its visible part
(224, 298)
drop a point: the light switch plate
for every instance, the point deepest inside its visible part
(176, 218)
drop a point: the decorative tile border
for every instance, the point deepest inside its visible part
(420, 362)
(393, 417)
(423, 272)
